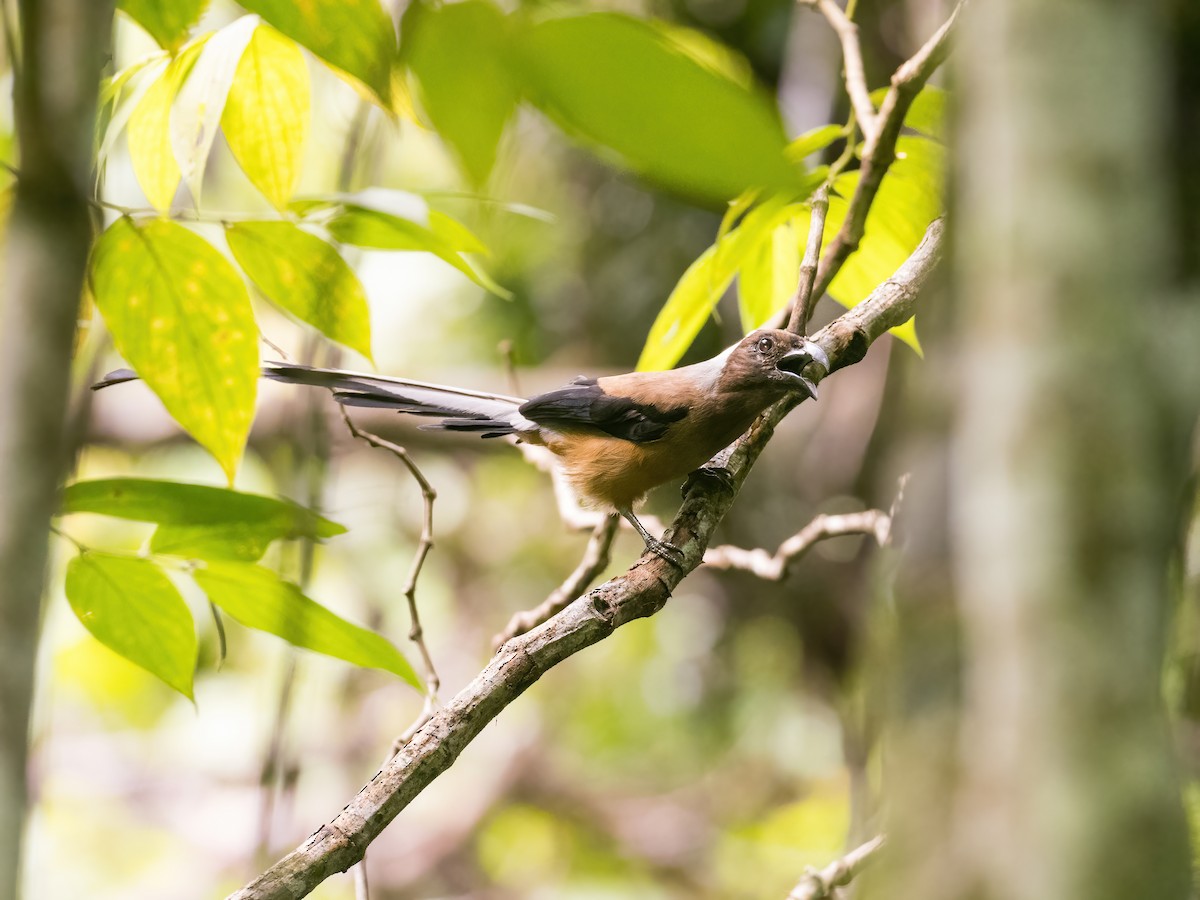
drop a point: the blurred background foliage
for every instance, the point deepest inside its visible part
(712, 751)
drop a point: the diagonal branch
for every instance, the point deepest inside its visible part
(640, 592)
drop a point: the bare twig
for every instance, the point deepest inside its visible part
(774, 566)
(595, 560)
(852, 61)
(879, 148)
(640, 592)
(416, 633)
(820, 884)
(802, 302)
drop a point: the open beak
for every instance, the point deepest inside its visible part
(794, 362)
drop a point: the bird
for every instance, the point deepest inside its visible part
(615, 437)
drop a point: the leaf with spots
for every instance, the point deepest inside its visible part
(131, 607)
(306, 276)
(257, 598)
(355, 36)
(181, 315)
(266, 114)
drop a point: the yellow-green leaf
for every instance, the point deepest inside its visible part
(459, 51)
(181, 315)
(703, 284)
(150, 150)
(258, 598)
(131, 607)
(167, 21)
(197, 114)
(768, 278)
(355, 36)
(305, 276)
(266, 114)
(379, 230)
(909, 198)
(927, 114)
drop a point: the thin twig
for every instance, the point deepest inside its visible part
(879, 148)
(820, 884)
(802, 302)
(852, 61)
(416, 633)
(774, 566)
(594, 561)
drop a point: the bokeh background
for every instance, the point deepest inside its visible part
(712, 751)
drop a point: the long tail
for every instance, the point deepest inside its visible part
(491, 415)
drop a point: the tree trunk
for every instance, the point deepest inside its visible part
(1033, 762)
(64, 44)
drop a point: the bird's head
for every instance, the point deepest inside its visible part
(777, 357)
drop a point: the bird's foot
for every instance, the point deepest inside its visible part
(667, 551)
(720, 474)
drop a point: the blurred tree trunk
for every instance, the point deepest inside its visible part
(1031, 758)
(63, 46)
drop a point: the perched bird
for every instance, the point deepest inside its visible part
(615, 437)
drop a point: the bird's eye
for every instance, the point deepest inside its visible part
(765, 345)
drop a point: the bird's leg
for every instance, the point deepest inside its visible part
(661, 549)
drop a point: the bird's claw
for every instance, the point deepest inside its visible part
(667, 551)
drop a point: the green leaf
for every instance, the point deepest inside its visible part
(769, 276)
(178, 504)
(197, 114)
(237, 540)
(266, 114)
(305, 276)
(167, 21)
(355, 36)
(619, 83)
(131, 607)
(150, 150)
(927, 114)
(703, 284)
(181, 315)
(378, 230)
(258, 598)
(459, 53)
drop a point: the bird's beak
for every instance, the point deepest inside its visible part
(794, 362)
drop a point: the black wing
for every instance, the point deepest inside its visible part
(584, 403)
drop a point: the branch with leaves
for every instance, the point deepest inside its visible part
(641, 592)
